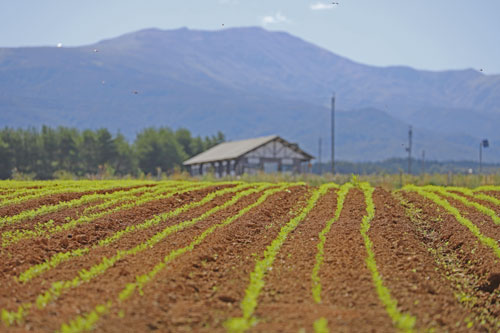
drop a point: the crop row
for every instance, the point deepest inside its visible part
(84, 275)
(487, 188)
(16, 185)
(8, 193)
(316, 284)
(86, 322)
(58, 258)
(76, 188)
(475, 195)
(403, 321)
(485, 210)
(487, 241)
(84, 200)
(249, 302)
(114, 205)
(321, 324)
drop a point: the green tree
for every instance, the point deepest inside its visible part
(158, 148)
(6, 164)
(197, 146)
(184, 138)
(214, 140)
(87, 151)
(48, 152)
(106, 150)
(125, 160)
(67, 155)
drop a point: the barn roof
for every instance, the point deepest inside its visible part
(234, 149)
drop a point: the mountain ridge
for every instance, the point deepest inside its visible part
(245, 82)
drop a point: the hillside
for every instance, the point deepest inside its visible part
(246, 82)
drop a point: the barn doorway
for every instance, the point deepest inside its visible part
(270, 167)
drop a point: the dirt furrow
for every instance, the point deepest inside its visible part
(472, 269)
(83, 298)
(409, 270)
(485, 203)
(18, 257)
(494, 194)
(482, 221)
(57, 198)
(68, 269)
(58, 217)
(62, 216)
(201, 289)
(349, 300)
(288, 285)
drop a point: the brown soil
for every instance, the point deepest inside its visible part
(482, 221)
(288, 284)
(200, 290)
(56, 198)
(109, 284)
(485, 203)
(433, 266)
(494, 194)
(19, 256)
(471, 267)
(351, 303)
(59, 217)
(409, 270)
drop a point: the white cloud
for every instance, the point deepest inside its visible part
(229, 2)
(274, 19)
(322, 6)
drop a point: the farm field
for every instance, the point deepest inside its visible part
(183, 256)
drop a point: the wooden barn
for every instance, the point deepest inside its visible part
(268, 154)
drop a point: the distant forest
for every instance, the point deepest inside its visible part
(48, 153)
(397, 165)
(62, 152)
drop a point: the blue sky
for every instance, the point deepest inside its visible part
(426, 34)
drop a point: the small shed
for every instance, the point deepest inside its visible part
(267, 154)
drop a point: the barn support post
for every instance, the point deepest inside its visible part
(228, 167)
(296, 166)
(214, 169)
(220, 167)
(239, 167)
(200, 167)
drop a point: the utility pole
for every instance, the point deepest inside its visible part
(484, 143)
(480, 157)
(423, 162)
(333, 134)
(319, 157)
(408, 149)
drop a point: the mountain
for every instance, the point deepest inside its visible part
(247, 82)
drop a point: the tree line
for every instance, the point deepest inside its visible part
(48, 152)
(397, 165)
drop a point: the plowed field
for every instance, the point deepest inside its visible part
(177, 256)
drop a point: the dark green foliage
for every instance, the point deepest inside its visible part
(5, 160)
(158, 148)
(397, 165)
(41, 153)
